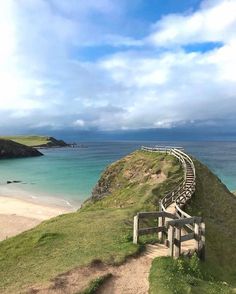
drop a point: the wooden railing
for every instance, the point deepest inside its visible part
(174, 224)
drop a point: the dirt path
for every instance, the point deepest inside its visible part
(128, 278)
(132, 277)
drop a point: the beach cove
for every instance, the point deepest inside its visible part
(60, 181)
(21, 214)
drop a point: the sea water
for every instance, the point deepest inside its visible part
(69, 174)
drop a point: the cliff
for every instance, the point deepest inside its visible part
(37, 141)
(11, 149)
(139, 176)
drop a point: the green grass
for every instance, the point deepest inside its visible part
(217, 205)
(28, 140)
(62, 243)
(183, 276)
(102, 230)
(95, 284)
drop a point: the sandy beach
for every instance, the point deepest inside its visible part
(19, 214)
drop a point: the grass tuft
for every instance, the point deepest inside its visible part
(95, 284)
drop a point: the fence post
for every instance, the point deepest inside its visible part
(160, 223)
(136, 228)
(203, 240)
(177, 245)
(197, 236)
(171, 232)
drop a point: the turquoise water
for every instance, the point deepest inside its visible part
(71, 173)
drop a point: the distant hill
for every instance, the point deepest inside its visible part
(36, 141)
(11, 149)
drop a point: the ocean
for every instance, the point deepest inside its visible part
(69, 174)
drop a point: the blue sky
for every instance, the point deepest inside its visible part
(117, 65)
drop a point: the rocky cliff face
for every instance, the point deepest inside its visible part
(10, 149)
(108, 181)
(52, 142)
(136, 176)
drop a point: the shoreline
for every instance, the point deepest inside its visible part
(17, 190)
(19, 213)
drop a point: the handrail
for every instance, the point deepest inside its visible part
(187, 186)
(180, 221)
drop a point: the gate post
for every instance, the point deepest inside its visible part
(177, 243)
(203, 240)
(197, 237)
(136, 228)
(161, 223)
(170, 237)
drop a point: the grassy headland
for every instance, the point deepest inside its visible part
(11, 149)
(35, 141)
(102, 229)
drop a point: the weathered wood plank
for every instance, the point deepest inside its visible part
(177, 243)
(184, 221)
(187, 237)
(135, 230)
(170, 241)
(151, 214)
(202, 252)
(151, 230)
(170, 215)
(156, 214)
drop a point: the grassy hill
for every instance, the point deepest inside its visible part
(217, 205)
(11, 149)
(102, 229)
(35, 141)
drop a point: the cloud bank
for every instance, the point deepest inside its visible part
(80, 65)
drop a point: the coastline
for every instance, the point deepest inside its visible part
(19, 213)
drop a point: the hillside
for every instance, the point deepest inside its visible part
(217, 205)
(101, 232)
(36, 141)
(11, 149)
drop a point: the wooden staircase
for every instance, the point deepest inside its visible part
(178, 230)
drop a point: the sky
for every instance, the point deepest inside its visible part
(117, 65)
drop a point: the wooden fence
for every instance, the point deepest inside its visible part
(178, 227)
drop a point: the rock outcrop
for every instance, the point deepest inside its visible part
(138, 172)
(52, 142)
(10, 149)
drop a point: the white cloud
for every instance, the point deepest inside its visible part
(79, 123)
(152, 83)
(215, 22)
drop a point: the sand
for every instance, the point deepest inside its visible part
(18, 214)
